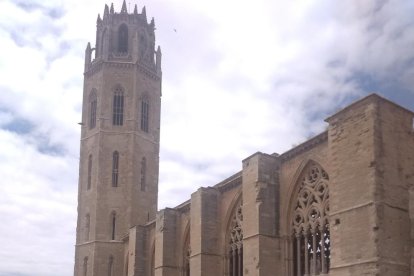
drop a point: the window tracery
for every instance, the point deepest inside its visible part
(235, 258)
(118, 107)
(115, 168)
(310, 224)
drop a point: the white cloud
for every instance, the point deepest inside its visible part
(238, 77)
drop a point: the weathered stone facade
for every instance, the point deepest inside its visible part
(339, 204)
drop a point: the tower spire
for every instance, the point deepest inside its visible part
(112, 8)
(124, 8)
(135, 9)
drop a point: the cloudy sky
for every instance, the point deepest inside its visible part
(238, 77)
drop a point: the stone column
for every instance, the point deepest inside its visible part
(261, 244)
(205, 259)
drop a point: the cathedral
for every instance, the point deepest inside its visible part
(339, 204)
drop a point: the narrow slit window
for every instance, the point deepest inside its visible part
(93, 102)
(145, 114)
(85, 266)
(143, 173)
(115, 169)
(118, 107)
(87, 226)
(111, 266)
(113, 225)
(89, 181)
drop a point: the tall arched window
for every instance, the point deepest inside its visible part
(144, 114)
(143, 173)
(310, 224)
(235, 257)
(111, 266)
(118, 107)
(123, 39)
(87, 226)
(115, 168)
(89, 181)
(93, 101)
(85, 266)
(113, 225)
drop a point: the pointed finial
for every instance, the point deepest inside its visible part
(106, 11)
(152, 22)
(158, 59)
(124, 8)
(88, 46)
(112, 8)
(135, 9)
(99, 18)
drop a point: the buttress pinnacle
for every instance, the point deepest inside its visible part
(106, 11)
(124, 8)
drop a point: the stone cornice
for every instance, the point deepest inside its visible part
(229, 183)
(311, 143)
(97, 64)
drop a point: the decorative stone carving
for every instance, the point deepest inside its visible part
(310, 223)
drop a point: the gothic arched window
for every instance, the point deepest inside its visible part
(123, 39)
(89, 181)
(93, 101)
(115, 168)
(118, 107)
(235, 257)
(310, 224)
(143, 173)
(144, 114)
(113, 225)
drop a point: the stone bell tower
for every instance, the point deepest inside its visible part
(119, 151)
